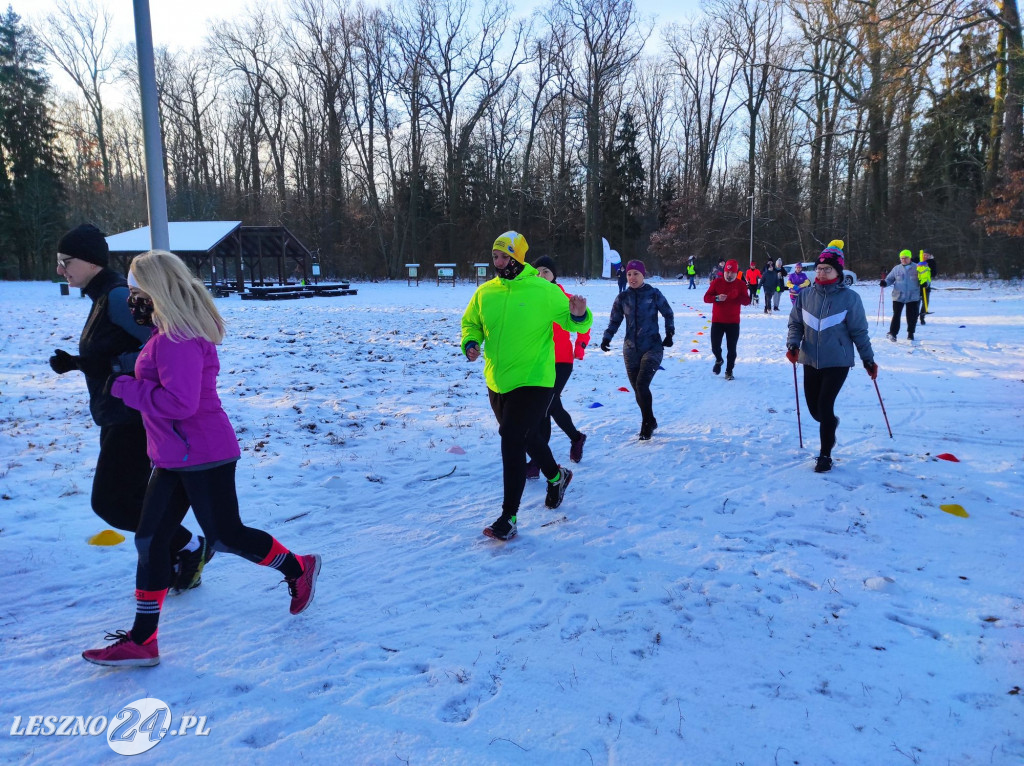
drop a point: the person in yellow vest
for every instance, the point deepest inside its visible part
(924, 277)
(691, 273)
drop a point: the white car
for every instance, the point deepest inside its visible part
(849, 277)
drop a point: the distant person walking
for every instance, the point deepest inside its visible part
(643, 347)
(109, 344)
(826, 322)
(781, 270)
(796, 282)
(906, 294)
(194, 450)
(727, 294)
(691, 274)
(752, 277)
(509, 321)
(770, 286)
(924, 278)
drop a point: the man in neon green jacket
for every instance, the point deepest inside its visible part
(510, 318)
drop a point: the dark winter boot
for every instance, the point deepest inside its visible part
(823, 465)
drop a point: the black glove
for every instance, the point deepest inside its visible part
(882, 283)
(606, 345)
(667, 342)
(110, 383)
(62, 362)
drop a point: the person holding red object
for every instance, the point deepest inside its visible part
(727, 294)
(194, 451)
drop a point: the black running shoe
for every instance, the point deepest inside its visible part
(646, 431)
(576, 450)
(824, 464)
(556, 489)
(189, 572)
(728, 375)
(718, 366)
(503, 529)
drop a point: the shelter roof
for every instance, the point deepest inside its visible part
(185, 237)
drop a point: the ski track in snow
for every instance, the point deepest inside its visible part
(706, 599)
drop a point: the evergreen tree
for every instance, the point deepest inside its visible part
(623, 189)
(31, 191)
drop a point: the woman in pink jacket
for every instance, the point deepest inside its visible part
(193, 448)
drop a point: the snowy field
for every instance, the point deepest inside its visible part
(701, 598)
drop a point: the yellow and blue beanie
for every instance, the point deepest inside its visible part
(514, 244)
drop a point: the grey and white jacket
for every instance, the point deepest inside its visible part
(826, 322)
(906, 288)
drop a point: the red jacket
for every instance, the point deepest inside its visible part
(753, 276)
(564, 347)
(727, 311)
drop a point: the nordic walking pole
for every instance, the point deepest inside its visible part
(879, 401)
(799, 428)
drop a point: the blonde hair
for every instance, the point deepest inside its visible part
(182, 307)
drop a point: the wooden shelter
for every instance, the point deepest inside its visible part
(226, 254)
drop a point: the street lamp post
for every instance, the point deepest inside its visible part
(751, 228)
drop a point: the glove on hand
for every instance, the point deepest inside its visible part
(62, 362)
(667, 343)
(793, 354)
(605, 346)
(872, 369)
(882, 283)
(578, 351)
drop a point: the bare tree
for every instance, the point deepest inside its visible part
(605, 41)
(76, 39)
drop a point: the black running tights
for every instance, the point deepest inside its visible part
(211, 493)
(520, 414)
(821, 387)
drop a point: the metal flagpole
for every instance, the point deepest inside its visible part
(156, 193)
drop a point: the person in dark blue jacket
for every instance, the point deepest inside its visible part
(643, 346)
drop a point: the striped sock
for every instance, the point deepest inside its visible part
(148, 604)
(283, 560)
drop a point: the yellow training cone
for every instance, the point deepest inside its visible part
(956, 510)
(107, 537)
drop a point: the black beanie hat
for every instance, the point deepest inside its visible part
(86, 243)
(548, 263)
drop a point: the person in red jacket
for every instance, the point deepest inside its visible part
(726, 294)
(753, 279)
(565, 353)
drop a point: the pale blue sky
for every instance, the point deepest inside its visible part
(183, 23)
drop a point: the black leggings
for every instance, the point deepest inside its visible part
(897, 309)
(821, 387)
(732, 334)
(520, 414)
(211, 493)
(640, 369)
(122, 475)
(556, 411)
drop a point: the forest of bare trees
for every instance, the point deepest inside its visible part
(419, 130)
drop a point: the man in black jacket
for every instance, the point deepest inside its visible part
(110, 342)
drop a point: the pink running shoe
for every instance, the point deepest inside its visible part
(124, 652)
(303, 586)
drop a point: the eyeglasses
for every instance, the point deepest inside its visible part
(824, 267)
(63, 263)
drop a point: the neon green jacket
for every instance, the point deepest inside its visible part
(510, 319)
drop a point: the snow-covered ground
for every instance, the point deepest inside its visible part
(701, 598)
